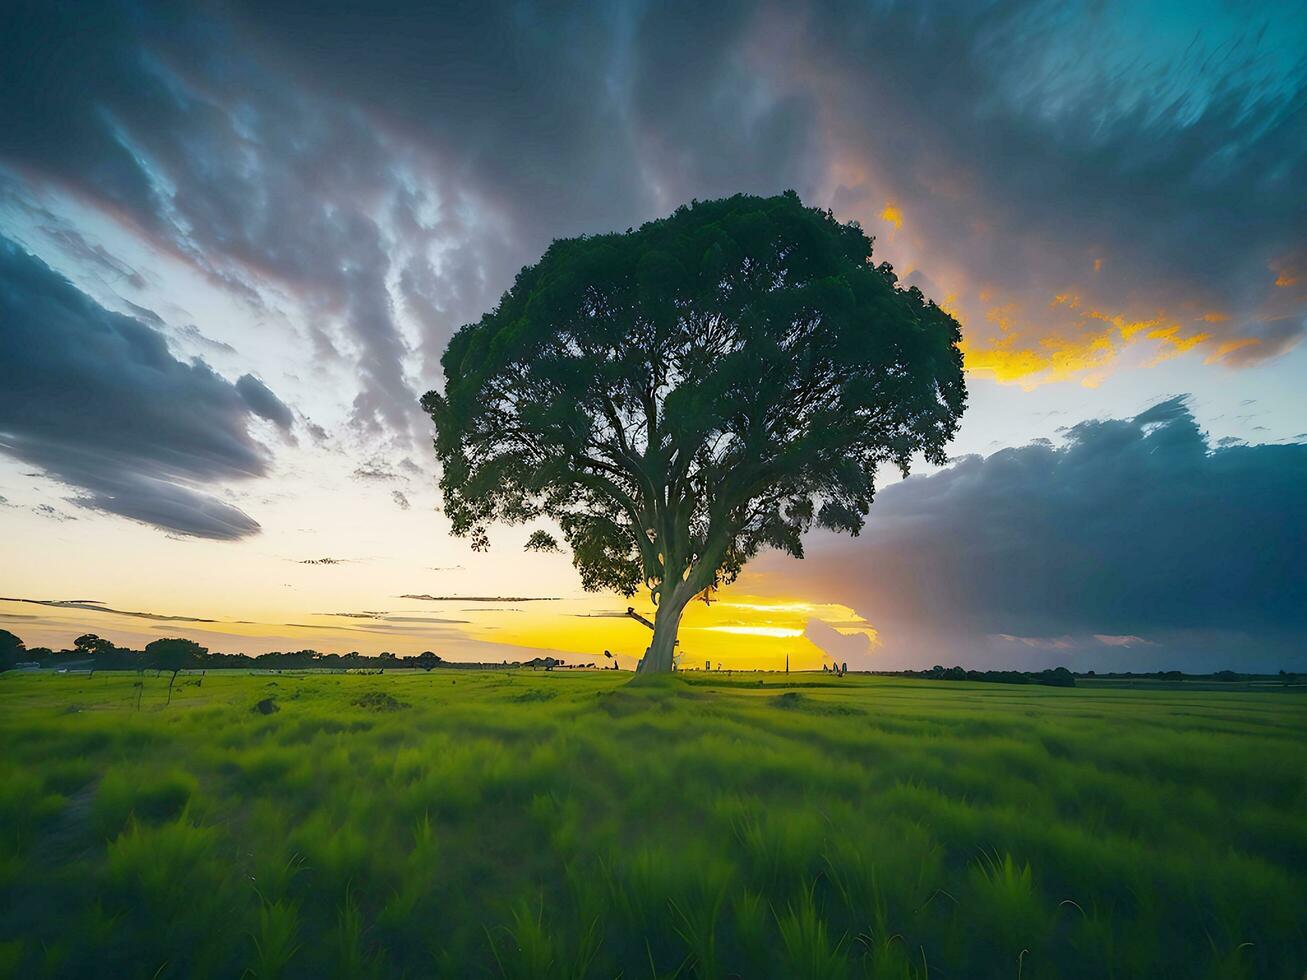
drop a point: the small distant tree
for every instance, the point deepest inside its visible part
(173, 655)
(676, 398)
(91, 645)
(1058, 677)
(428, 659)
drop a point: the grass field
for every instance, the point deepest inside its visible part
(461, 823)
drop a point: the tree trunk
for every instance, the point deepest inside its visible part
(170, 684)
(666, 622)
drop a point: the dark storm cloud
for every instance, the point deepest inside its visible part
(219, 160)
(394, 164)
(1134, 542)
(330, 156)
(1035, 147)
(1022, 148)
(96, 400)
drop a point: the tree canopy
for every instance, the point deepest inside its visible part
(11, 649)
(675, 398)
(174, 654)
(92, 645)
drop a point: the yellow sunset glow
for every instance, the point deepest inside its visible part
(779, 632)
(1053, 359)
(1083, 349)
(742, 632)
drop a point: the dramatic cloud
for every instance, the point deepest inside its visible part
(857, 649)
(222, 162)
(1089, 187)
(1048, 168)
(1069, 179)
(1135, 543)
(96, 400)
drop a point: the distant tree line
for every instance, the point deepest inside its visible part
(1057, 677)
(174, 654)
(1224, 676)
(1061, 677)
(91, 652)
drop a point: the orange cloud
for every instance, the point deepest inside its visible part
(1081, 347)
(893, 215)
(1051, 359)
(1229, 347)
(1288, 270)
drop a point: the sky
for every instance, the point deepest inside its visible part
(236, 237)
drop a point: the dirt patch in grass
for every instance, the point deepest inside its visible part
(379, 701)
(794, 701)
(623, 704)
(527, 697)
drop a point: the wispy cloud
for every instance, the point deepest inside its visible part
(92, 605)
(479, 598)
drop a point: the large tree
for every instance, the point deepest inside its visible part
(675, 398)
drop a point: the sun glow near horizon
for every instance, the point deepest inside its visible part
(737, 632)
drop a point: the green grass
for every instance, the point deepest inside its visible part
(462, 824)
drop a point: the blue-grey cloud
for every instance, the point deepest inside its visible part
(1135, 542)
(74, 243)
(264, 403)
(169, 123)
(1037, 148)
(389, 178)
(96, 400)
